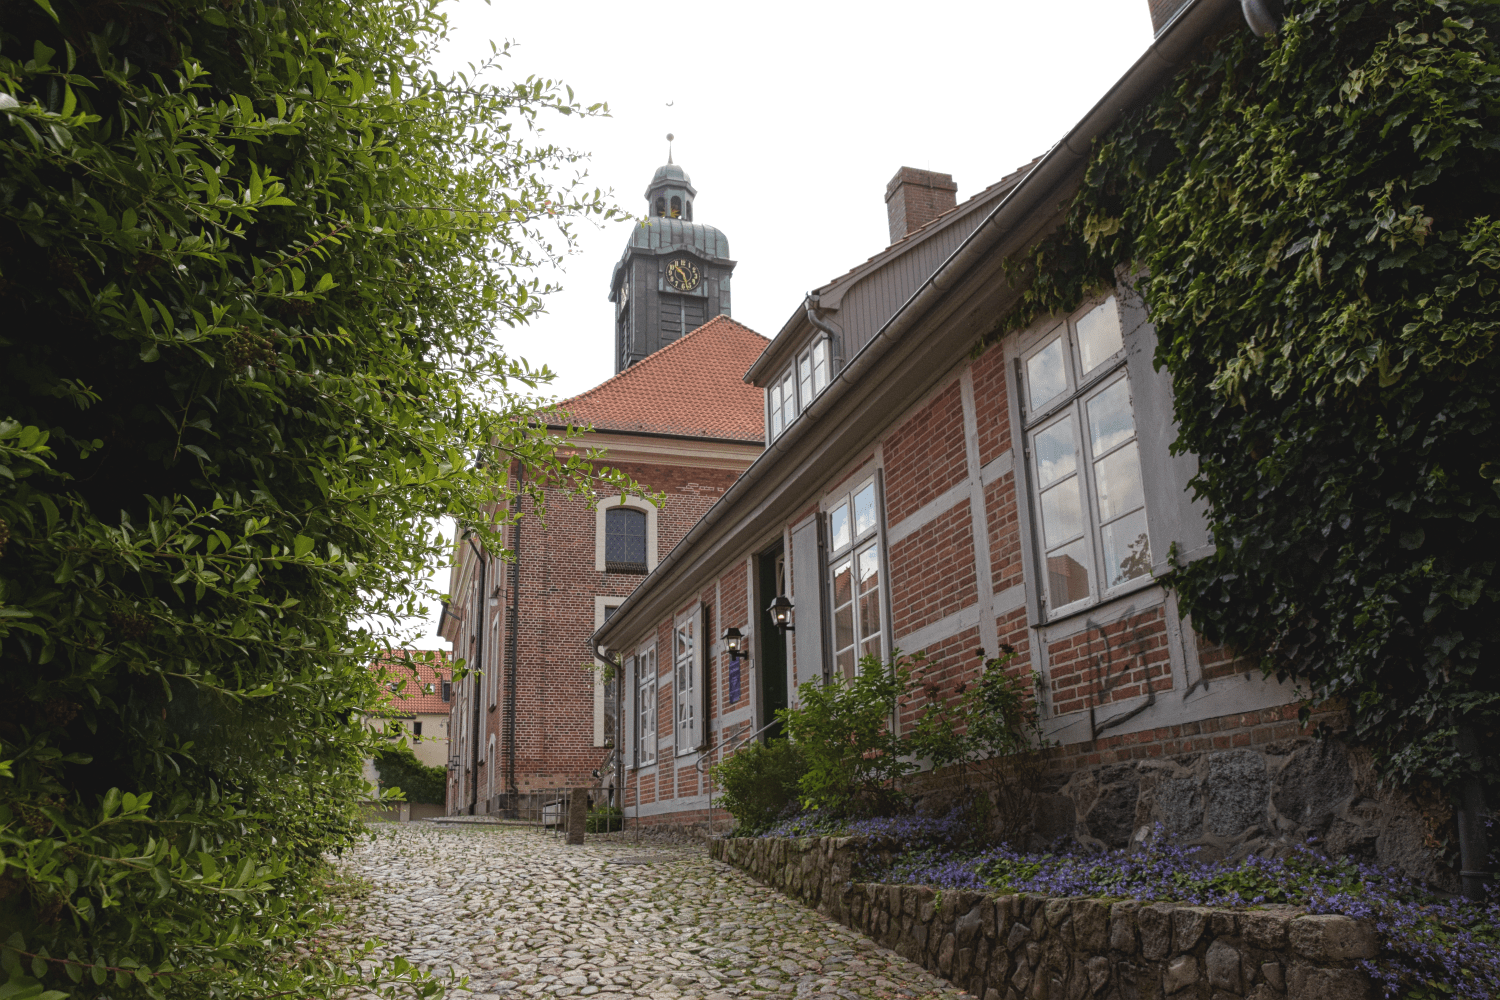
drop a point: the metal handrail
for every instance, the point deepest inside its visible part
(704, 759)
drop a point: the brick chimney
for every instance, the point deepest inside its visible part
(915, 197)
(1162, 11)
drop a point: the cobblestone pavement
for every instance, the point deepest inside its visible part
(524, 915)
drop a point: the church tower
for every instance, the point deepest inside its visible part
(674, 274)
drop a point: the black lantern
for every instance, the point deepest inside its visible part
(734, 641)
(781, 613)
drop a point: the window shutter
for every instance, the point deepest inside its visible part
(807, 594)
(633, 723)
(1172, 515)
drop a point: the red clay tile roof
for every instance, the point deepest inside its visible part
(690, 388)
(412, 678)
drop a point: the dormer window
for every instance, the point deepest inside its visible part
(812, 371)
(798, 386)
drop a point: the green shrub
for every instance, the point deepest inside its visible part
(604, 819)
(759, 783)
(401, 771)
(843, 731)
(252, 261)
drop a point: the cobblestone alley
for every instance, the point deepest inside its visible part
(522, 914)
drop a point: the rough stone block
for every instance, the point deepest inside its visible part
(967, 927)
(1265, 929)
(1091, 924)
(1223, 965)
(963, 966)
(1122, 926)
(1330, 937)
(987, 918)
(911, 899)
(1021, 978)
(1273, 974)
(945, 955)
(1180, 973)
(1155, 922)
(1222, 923)
(1019, 935)
(1098, 973)
(1005, 910)
(1188, 925)
(999, 965)
(1306, 982)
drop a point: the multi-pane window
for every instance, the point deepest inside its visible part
(684, 688)
(854, 571)
(645, 700)
(1086, 468)
(625, 540)
(782, 399)
(798, 386)
(812, 371)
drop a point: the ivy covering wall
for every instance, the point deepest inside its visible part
(1318, 217)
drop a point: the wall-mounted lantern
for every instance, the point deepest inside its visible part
(780, 611)
(734, 642)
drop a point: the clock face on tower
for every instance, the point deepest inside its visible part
(683, 274)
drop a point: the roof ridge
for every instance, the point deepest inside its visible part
(658, 353)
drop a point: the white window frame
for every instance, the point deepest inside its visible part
(798, 385)
(687, 701)
(814, 371)
(645, 705)
(1071, 404)
(865, 542)
(602, 606)
(601, 512)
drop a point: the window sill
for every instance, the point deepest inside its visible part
(1146, 583)
(637, 569)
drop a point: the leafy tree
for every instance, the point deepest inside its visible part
(400, 769)
(251, 258)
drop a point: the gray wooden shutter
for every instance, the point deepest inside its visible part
(807, 595)
(1172, 515)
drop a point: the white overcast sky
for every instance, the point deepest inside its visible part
(790, 118)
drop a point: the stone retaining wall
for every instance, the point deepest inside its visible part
(1031, 947)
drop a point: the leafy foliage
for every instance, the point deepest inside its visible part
(604, 819)
(251, 258)
(759, 783)
(401, 770)
(844, 732)
(1318, 217)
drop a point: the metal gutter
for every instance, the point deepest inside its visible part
(1177, 41)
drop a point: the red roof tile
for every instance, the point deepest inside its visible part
(693, 387)
(415, 684)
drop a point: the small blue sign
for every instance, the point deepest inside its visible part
(734, 679)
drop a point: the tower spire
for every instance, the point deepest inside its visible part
(669, 147)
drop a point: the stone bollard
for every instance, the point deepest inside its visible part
(578, 814)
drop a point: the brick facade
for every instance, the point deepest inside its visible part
(1117, 676)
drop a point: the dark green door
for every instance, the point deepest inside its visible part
(771, 654)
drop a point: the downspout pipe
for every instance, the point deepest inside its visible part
(1177, 43)
(1475, 876)
(476, 679)
(512, 626)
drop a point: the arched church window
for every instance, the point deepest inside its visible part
(676, 208)
(661, 206)
(624, 540)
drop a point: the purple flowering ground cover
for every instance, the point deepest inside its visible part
(1433, 946)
